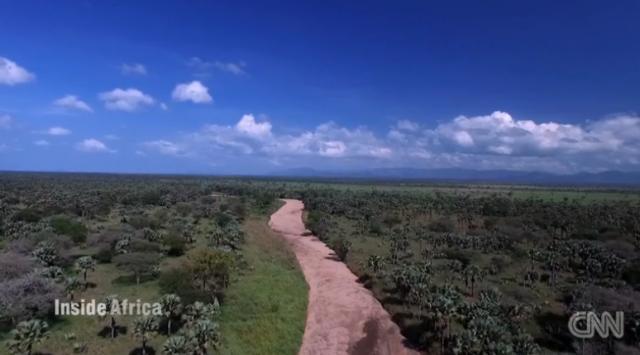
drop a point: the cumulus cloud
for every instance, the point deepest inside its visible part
(58, 131)
(12, 74)
(133, 69)
(72, 102)
(406, 125)
(499, 133)
(494, 141)
(128, 100)
(248, 126)
(193, 91)
(92, 145)
(6, 121)
(41, 143)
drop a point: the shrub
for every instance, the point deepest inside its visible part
(13, 265)
(28, 215)
(142, 221)
(65, 226)
(104, 254)
(632, 274)
(142, 245)
(27, 297)
(175, 245)
(138, 263)
(222, 219)
(211, 268)
(442, 225)
(341, 247)
(179, 281)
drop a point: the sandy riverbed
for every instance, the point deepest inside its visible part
(343, 317)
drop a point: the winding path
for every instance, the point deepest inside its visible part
(343, 317)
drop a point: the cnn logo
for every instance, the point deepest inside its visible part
(585, 325)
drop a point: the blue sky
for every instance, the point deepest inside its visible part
(254, 87)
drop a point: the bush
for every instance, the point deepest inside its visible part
(28, 215)
(461, 256)
(104, 253)
(341, 247)
(222, 219)
(64, 226)
(179, 281)
(175, 245)
(632, 274)
(137, 263)
(142, 221)
(142, 245)
(13, 265)
(442, 225)
(27, 297)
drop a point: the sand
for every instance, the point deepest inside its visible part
(343, 317)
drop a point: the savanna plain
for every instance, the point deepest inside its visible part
(460, 268)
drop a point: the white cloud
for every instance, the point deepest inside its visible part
(406, 125)
(6, 121)
(193, 91)
(128, 100)
(135, 69)
(248, 126)
(164, 106)
(495, 141)
(58, 131)
(499, 133)
(92, 145)
(332, 149)
(72, 102)
(41, 143)
(12, 74)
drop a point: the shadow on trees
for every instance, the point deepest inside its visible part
(414, 329)
(556, 334)
(148, 350)
(131, 279)
(366, 281)
(176, 324)
(106, 331)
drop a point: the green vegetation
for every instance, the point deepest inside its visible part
(107, 238)
(265, 310)
(465, 269)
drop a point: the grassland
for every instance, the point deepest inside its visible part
(265, 310)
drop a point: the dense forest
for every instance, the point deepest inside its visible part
(462, 269)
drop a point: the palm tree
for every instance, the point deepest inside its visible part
(26, 335)
(198, 311)
(71, 284)
(444, 306)
(375, 263)
(171, 307)
(523, 344)
(177, 345)
(86, 263)
(204, 332)
(143, 328)
(110, 301)
(472, 273)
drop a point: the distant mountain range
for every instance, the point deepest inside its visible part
(469, 175)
